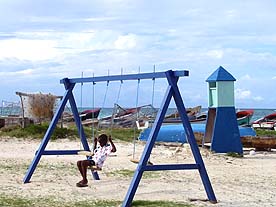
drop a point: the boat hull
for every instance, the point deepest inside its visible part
(176, 133)
(244, 117)
(267, 122)
(90, 114)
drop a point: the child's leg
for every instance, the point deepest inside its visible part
(84, 166)
(79, 167)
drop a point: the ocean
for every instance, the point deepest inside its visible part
(258, 113)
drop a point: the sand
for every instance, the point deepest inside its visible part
(248, 181)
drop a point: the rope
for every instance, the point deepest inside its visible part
(119, 93)
(80, 125)
(153, 88)
(93, 107)
(104, 101)
(114, 111)
(105, 94)
(103, 104)
(120, 87)
(137, 116)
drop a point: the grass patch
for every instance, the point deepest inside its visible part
(129, 174)
(123, 134)
(265, 133)
(66, 168)
(122, 173)
(234, 154)
(160, 204)
(38, 131)
(6, 166)
(14, 201)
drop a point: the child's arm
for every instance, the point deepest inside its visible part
(95, 143)
(86, 153)
(112, 144)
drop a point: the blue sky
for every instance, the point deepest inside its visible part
(42, 42)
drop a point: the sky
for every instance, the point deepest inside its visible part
(43, 41)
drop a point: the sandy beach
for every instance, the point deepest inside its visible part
(248, 181)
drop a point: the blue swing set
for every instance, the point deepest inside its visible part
(171, 92)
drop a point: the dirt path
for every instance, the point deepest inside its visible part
(248, 181)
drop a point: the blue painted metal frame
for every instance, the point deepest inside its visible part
(69, 85)
(41, 150)
(172, 91)
(139, 76)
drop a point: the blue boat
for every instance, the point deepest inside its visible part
(176, 133)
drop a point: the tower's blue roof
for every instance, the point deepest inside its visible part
(220, 75)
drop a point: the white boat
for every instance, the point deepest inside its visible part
(267, 122)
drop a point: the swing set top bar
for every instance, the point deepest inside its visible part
(138, 76)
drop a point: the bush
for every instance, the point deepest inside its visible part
(38, 131)
(265, 133)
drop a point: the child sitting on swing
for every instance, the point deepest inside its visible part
(99, 155)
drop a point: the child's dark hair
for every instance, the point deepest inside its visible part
(103, 138)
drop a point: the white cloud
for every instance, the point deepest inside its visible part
(100, 19)
(242, 94)
(231, 13)
(217, 54)
(26, 49)
(94, 36)
(258, 98)
(26, 72)
(245, 77)
(126, 42)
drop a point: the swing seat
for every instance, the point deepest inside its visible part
(86, 153)
(137, 161)
(142, 127)
(94, 168)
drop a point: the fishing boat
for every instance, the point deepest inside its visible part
(266, 122)
(90, 114)
(194, 115)
(244, 117)
(176, 132)
(127, 118)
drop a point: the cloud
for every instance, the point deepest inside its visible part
(245, 77)
(27, 49)
(100, 19)
(258, 98)
(217, 54)
(242, 94)
(94, 36)
(231, 13)
(27, 72)
(125, 42)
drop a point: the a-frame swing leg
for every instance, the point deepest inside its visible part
(172, 91)
(79, 125)
(41, 150)
(47, 136)
(191, 139)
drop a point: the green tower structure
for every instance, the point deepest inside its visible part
(222, 126)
